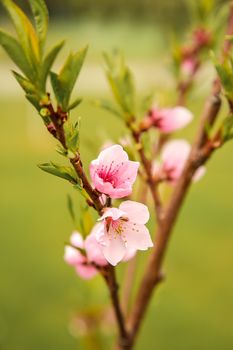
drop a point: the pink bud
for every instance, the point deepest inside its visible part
(173, 158)
(73, 257)
(86, 255)
(168, 120)
(188, 66)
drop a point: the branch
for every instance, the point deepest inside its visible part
(56, 129)
(202, 150)
(136, 134)
(109, 275)
(152, 272)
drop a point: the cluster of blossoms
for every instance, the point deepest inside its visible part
(120, 232)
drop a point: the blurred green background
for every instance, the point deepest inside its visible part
(39, 295)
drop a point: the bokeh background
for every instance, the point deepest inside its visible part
(40, 297)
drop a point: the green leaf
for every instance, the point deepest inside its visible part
(146, 102)
(227, 128)
(70, 207)
(25, 31)
(32, 94)
(41, 16)
(34, 100)
(15, 52)
(26, 84)
(64, 172)
(108, 106)
(57, 88)
(75, 103)
(72, 135)
(61, 150)
(86, 221)
(121, 82)
(63, 83)
(78, 187)
(48, 62)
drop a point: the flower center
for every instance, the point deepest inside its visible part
(116, 227)
(110, 173)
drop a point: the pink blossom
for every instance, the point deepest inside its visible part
(174, 155)
(113, 173)
(123, 231)
(84, 255)
(170, 119)
(189, 66)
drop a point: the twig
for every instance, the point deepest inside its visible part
(201, 151)
(136, 134)
(56, 129)
(109, 275)
(152, 272)
(128, 284)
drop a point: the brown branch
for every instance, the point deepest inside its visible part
(136, 134)
(55, 127)
(108, 273)
(152, 272)
(94, 195)
(128, 284)
(201, 151)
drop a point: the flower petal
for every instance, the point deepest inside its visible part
(137, 236)
(115, 250)
(174, 155)
(130, 254)
(76, 240)
(113, 213)
(174, 118)
(200, 172)
(128, 171)
(93, 250)
(72, 256)
(111, 153)
(135, 211)
(86, 271)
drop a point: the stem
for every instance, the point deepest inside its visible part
(152, 272)
(56, 129)
(148, 170)
(110, 278)
(201, 151)
(77, 164)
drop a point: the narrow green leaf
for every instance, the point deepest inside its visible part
(227, 127)
(15, 52)
(61, 150)
(25, 31)
(121, 82)
(146, 102)
(70, 207)
(34, 100)
(64, 172)
(48, 62)
(78, 187)
(27, 86)
(63, 83)
(41, 16)
(108, 106)
(32, 94)
(72, 135)
(75, 103)
(57, 87)
(87, 221)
